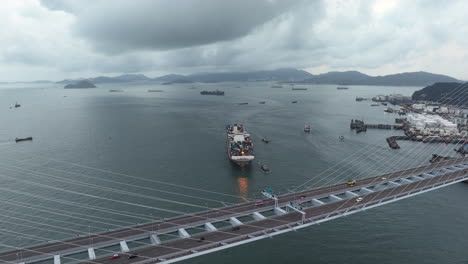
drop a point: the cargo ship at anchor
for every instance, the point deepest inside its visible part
(239, 145)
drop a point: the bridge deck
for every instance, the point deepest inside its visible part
(227, 237)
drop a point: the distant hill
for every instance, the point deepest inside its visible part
(347, 77)
(169, 78)
(80, 85)
(400, 79)
(284, 75)
(116, 79)
(449, 93)
(287, 74)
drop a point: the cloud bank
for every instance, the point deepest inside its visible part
(70, 38)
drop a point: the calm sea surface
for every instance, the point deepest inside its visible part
(61, 184)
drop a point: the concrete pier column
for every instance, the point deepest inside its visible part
(279, 211)
(155, 239)
(334, 198)
(123, 246)
(258, 216)
(57, 259)
(91, 254)
(210, 227)
(183, 233)
(234, 221)
(317, 202)
(393, 184)
(364, 190)
(350, 194)
(405, 181)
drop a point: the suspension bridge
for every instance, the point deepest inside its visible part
(196, 234)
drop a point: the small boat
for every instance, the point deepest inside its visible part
(155, 91)
(342, 88)
(17, 105)
(359, 99)
(262, 102)
(243, 103)
(265, 168)
(115, 91)
(276, 86)
(341, 138)
(374, 105)
(294, 102)
(299, 89)
(307, 129)
(388, 110)
(384, 104)
(266, 140)
(23, 139)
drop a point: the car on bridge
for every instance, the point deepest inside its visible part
(351, 182)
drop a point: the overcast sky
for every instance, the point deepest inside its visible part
(56, 39)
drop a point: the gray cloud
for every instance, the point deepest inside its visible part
(121, 25)
(71, 38)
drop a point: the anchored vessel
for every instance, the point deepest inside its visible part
(217, 92)
(239, 145)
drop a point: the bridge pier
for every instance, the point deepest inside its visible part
(183, 233)
(210, 227)
(155, 239)
(56, 259)
(350, 194)
(316, 202)
(364, 190)
(234, 221)
(334, 198)
(258, 216)
(279, 211)
(124, 247)
(405, 181)
(91, 254)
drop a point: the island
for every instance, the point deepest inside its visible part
(83, 84)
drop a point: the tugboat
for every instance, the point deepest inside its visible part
(17, 105)
(266, 140)
(294, 102)
(307, 128)
(265, 168)
(262, 102)
(239, 145)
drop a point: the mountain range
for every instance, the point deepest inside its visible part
(284, 75)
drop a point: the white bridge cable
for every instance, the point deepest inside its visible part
(118, 182)
(134, 177)
(415, 149)
(378, 178)
(345, 171)
(157, 208)
(53, 212)
(38, 238)
(420, 143)
(101, 188)
(114, 238)
(460, 88)
(244, 224)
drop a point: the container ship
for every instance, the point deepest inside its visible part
(239, 145)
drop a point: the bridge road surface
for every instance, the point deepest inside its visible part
(180, 246)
